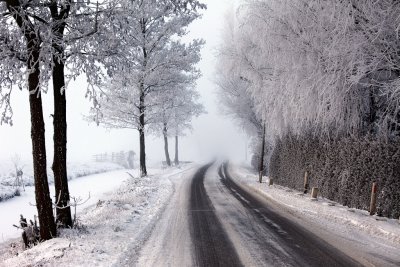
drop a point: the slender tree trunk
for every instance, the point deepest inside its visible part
(165, 134)
(59, 167)
(63, 212)
(143, 170)
(176, 160)
(261, 166)
(42, 194)
(142, 108)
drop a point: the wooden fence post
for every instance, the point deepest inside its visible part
(314, 192)
(372, 206)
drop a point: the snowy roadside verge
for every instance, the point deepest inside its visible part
(110, 228)
(374, 236)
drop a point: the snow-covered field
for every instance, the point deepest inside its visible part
(111, 224)
(371, 234)
(75, 170)
(93, 185)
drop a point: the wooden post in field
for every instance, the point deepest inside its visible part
(306, 184)
(372, 206)
(314, 192)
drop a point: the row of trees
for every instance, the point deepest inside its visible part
(152, 88)
(325, 68)
(115, 43)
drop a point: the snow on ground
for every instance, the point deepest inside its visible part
(113, 224)
(93, 185)
(75, 170)
(371, 233)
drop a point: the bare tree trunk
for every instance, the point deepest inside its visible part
(261, 166)
(63, 212)
(142, 109)
(59, 167)
(143, 170)
(42, 194)
(176, 160)
(165, 134)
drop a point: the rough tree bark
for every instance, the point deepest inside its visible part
(63, 211)
(165, 134)
(142, 108)
(176, 160)
(261, 165)
(42, 194)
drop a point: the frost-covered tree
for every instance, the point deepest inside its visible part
(22, 50)
(63, 16)
(321, 67)
(233, 90)
(152, 56)
(78, 44)
(68, 35)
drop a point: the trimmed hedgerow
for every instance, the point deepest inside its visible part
(343, 169)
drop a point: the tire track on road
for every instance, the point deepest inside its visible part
(303, 247)
(212, 246)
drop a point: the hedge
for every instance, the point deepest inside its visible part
(343, 169)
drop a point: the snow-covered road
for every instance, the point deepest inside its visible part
(170, 242)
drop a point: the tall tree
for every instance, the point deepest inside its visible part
(29, 51)
(67, 49)
(59, 14)
(52, 19)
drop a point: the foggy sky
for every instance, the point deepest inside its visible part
(213, 134)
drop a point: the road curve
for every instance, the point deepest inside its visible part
(212, 221)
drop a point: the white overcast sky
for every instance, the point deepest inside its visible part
(213, 134)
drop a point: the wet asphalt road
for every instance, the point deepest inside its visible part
(273, 239)
(212, 221)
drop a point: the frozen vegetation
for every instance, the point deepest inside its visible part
(318, 83)
(140, 74)
(113, 223)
